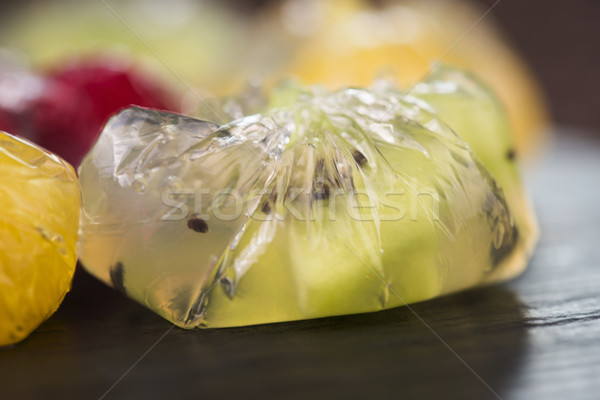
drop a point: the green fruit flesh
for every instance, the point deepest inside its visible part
(352, 201)
(472, 110)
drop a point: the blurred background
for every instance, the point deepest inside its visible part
(561, 42)
(65, 66)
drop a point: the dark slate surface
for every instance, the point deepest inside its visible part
(537, 337)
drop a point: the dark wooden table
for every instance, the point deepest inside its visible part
(537, 337)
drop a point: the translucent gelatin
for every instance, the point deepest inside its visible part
(327, 203)
(40, 203)
(474, 112)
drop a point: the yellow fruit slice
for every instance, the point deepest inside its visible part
(352, 42)
(40, 203)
